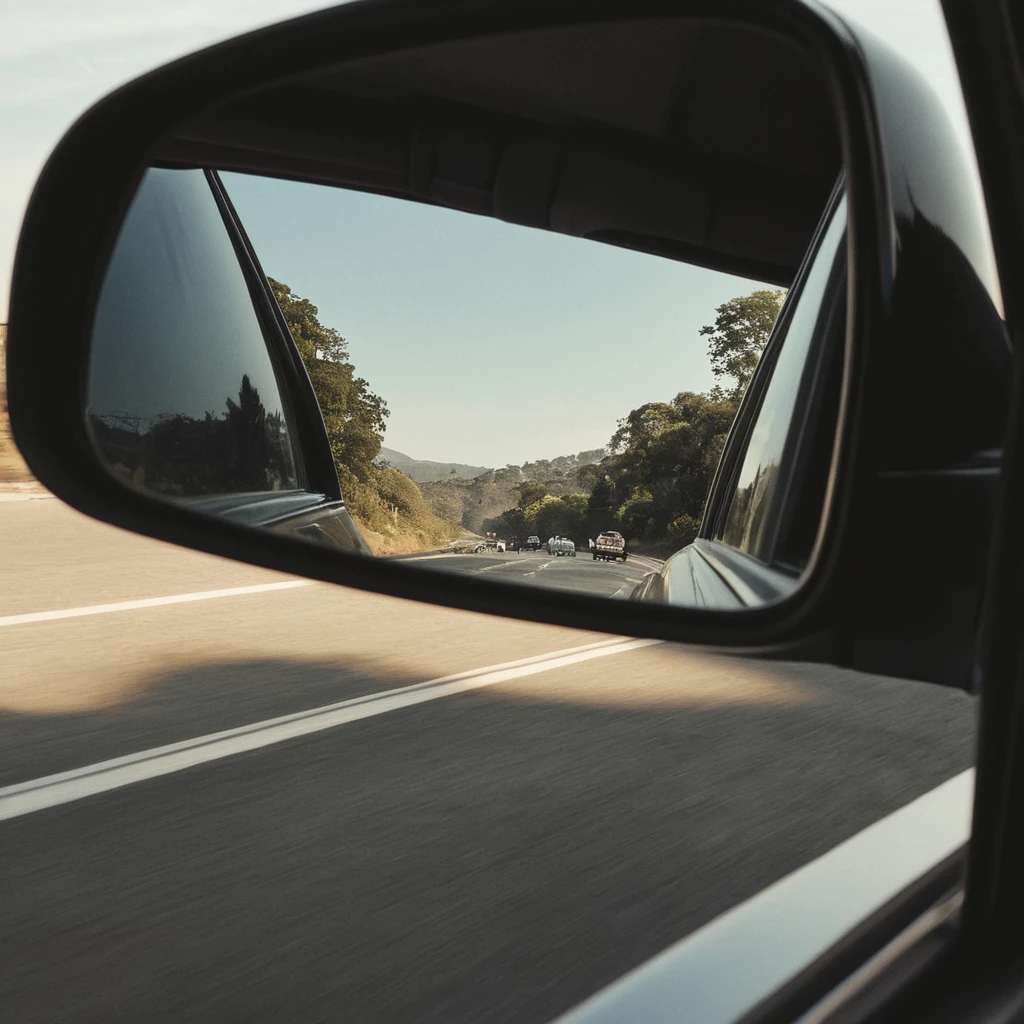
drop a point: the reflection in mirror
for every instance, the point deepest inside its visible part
(764, 513)
(185, 395)
(755, 513)
(183, 399)
(498, 401)
(507, 332)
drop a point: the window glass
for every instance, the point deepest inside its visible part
(752, 517)
(182, 394)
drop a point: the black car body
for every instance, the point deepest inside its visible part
(886, 536)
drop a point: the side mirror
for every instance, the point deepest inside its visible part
(180, 392)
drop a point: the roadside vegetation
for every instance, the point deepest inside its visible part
(388, 506)
(652, 480)
(649, 482)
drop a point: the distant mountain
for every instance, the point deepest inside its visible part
(422, 470)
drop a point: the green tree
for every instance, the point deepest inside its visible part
(587, 476)
(390, 508)
(248, 420)
(354, 416)
(510, 524)
(602, 504)
(577, 505)
(637, 513)
(531, 491)
(313, 340)
(551, 515)
(664, 456)
(738, 335)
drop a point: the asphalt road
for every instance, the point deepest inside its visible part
(493, 855)
(582, 574)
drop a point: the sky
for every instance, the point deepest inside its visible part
(491, 343)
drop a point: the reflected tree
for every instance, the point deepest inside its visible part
(737, 337)
(248, 432)
(243, 449)
(354, 416)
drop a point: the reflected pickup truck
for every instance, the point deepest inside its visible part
(610, 546)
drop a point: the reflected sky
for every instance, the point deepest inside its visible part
(492, 343)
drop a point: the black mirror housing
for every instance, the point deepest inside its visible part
(913, 219)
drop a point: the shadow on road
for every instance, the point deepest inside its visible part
(493, 857)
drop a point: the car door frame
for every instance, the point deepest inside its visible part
(301, 405)
(710, 571)
(975, 972)
(983, 972)
(315, 508)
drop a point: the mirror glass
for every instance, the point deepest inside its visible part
(414, 381)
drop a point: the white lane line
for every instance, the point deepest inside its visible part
(500, 565)
(539, 568)
(65, 787)
(427, 558)
(148, 602)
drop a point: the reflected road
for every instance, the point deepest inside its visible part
(582, 574)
